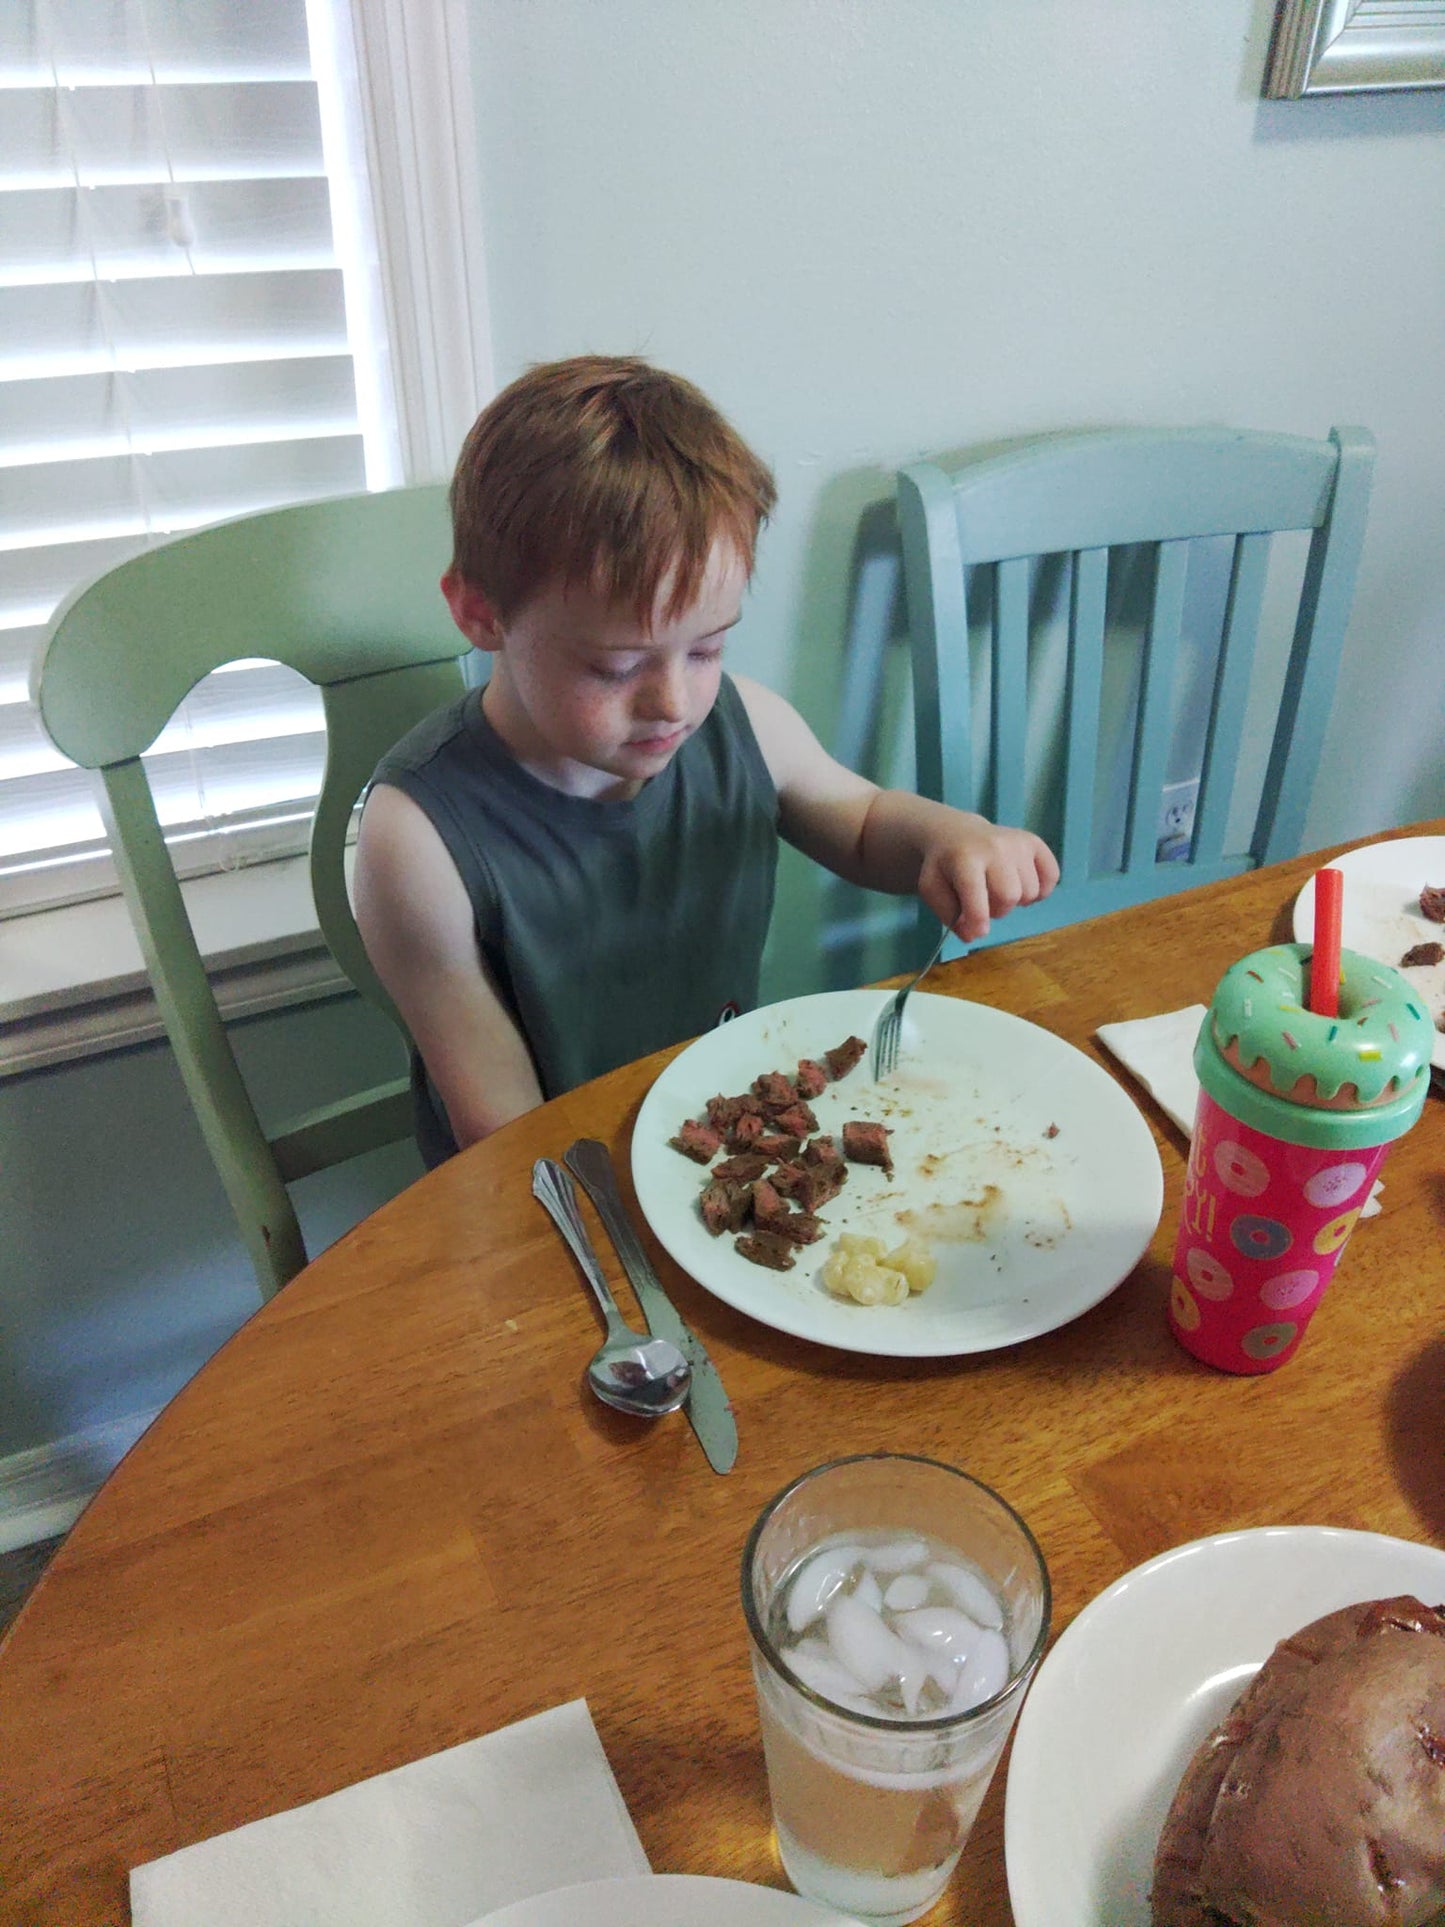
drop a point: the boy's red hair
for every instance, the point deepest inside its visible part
(604, 472)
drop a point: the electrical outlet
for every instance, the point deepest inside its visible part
(1176, 821)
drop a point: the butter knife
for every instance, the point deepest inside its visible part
(708, 1408)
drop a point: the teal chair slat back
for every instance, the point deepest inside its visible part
(1099, 491)
(937, 600)
(1159, 661)
(1249, 567)
(1320, 622)
(1008, 673)
(345, 593)
(1155, 494)
(1087, 590)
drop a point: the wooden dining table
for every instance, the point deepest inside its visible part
(388, 1516)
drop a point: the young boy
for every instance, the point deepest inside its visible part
(575, 866)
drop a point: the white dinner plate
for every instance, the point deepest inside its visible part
(1137, 1680)
(1380, 914)
(1021, 1161)
(664, 1900)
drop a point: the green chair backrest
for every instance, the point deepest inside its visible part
(984, 544)
(344, 592)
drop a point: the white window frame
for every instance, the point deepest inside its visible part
(412, 73)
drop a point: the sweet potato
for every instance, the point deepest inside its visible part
(1322, 1797)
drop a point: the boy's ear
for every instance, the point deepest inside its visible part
(472, 612)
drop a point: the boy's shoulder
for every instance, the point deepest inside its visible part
(427, 740)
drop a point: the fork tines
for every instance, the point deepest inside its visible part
(889, 1028)
(885, 1038)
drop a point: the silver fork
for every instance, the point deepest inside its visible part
(886, 1032)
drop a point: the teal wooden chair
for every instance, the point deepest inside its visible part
(1053, 532)
(344, 592)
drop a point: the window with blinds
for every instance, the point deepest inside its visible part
(185, 335)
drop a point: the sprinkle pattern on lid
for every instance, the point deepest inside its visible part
(1377, 1048)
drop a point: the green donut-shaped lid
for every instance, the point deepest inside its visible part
(1380, 1042)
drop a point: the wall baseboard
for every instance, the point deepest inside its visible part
(44, 1491)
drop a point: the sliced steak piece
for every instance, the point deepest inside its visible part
(867, 1143)
(809, 1185)
(774, 1214)
(821, 1150)
(787, 1178)
(725, 1206)
(724, 1112)
(774, 1146)
(812, 1078)
(744, 1134)
(1432, 902)
(795, 1227)
(765, 1248)
(820, 1183)
(768, 1205)
(742, 1169)
(698, 1141)
(1424, 953)
(841, 1059)
(775, 1090)
(797, 1119)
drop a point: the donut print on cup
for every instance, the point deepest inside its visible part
(1288, 1288)
(1238, 1169)
(1182, 1308)
(1331, 1237)
(1208, 1277)
(1335, 1185)
(1260, 1237)
(1267, 1342)
(1252, 1260)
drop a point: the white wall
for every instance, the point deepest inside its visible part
(878, 228)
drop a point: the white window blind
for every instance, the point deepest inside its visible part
(187, 333)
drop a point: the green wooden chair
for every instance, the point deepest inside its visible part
(344, 592)
(986, 544)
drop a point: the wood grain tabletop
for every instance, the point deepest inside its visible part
(388, 1516)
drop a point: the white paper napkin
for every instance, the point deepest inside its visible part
(436, 1843)
(1159, 1051)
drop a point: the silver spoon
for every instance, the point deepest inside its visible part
(631, 1372)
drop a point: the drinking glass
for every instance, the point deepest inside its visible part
(872, 1807)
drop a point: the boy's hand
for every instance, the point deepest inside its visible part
(972, 871)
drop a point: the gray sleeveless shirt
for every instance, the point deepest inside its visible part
(609, 928)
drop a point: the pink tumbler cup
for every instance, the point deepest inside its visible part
(1296, 1113)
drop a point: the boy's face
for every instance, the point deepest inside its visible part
(588, 699)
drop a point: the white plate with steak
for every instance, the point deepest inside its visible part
(1020, 1162)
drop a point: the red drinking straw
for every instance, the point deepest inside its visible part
(1325, 963)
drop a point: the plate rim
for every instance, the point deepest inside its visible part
(1282, 1537)
(866, 1346)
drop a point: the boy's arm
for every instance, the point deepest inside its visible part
(417, 923)
(965, 868)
